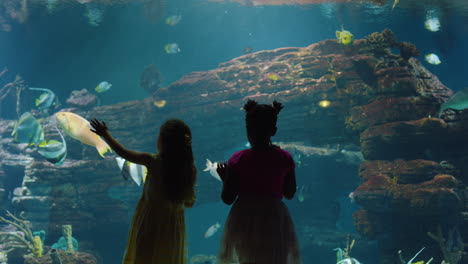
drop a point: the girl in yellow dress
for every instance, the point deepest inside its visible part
(157, 234)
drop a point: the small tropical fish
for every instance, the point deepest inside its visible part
(28, 130)
(159, 103)
(103, 87)
(432, 24)
(211, 167)
(173, 20)
(212, 230)
(458, 101)
(433, 59)
(344, 37)
(137, 172)
(54, 151)
(172, 48)
(79, 128)
(324, 103)
(274, 77)
(395, 3)
(45, 100)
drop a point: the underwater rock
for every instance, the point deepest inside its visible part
(82, 99)
(66, 258)
(390, 109)
(404, 171)
(381, 194)
(404, 140)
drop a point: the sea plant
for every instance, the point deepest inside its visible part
(23, 238)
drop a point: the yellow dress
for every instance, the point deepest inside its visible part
(157, 234)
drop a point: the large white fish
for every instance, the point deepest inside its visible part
(212, 230)
(211, 167)
(131, 170)
(79, 128)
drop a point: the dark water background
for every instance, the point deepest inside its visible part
(62, 52)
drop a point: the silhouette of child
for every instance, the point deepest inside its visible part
(259, 229)
(157, 234)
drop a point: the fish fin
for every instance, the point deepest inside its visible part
(15, 126)
(338, 33)
(145, 173)
(120, 162)
(38, 101)
(43, 143)
(103, 148)
(209, 164)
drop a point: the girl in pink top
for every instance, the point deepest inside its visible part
(259, 229)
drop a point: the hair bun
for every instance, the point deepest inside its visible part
(277, 106)
(251, 104)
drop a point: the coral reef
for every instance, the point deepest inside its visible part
(65, 258)
(380, 44)
(408, 50)
(66, 241)
(82, 99)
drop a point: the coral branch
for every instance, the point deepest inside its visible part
(452, 248)
(13, 240)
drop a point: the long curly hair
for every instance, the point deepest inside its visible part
(179, 172)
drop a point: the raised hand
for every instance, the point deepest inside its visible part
(99, 127)
(222, 170)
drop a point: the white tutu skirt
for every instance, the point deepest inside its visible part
(259, 230)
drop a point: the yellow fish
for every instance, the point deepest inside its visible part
(344, 37)
(160, 103)
(324, 103)
(78, 128)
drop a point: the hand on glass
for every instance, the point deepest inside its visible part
(99, 127)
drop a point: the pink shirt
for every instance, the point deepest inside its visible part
(262, 172)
